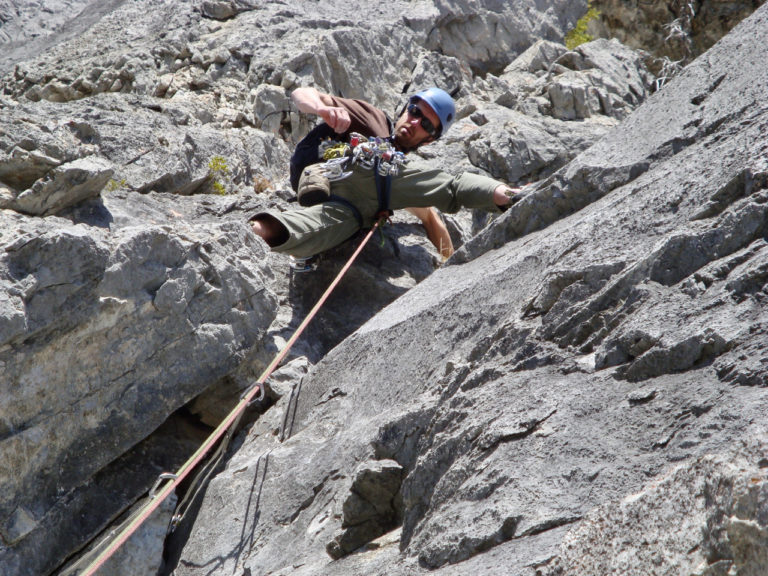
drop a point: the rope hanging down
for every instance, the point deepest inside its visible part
(157, 498)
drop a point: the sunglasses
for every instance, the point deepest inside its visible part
(416, 112)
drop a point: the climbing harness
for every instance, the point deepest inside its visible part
(377, 154)
(338, 159)
(224, 430)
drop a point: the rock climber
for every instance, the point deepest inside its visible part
(355, 201)
(343, 117)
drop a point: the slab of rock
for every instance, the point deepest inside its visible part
(65, 186)
(706, 517)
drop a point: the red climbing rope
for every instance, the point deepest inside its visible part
(175, 479)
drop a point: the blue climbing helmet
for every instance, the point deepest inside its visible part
(442, 103)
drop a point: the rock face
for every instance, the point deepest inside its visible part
(672, 30)
(88, 302)
(606, 329)
(708, 516)
(599, 340)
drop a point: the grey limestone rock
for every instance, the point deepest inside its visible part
(597, 341)
(84, 307)
(226, 9)
(528, 130)
(607, 328)
(706, 517)
(65, 186)
(369, 509)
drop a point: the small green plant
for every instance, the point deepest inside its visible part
(219, 188)
(579, 34)
(114, 185)
(217, 170)
(218, 165)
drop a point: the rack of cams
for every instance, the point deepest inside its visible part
(368, 153)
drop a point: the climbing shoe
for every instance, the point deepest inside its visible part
(301, 264)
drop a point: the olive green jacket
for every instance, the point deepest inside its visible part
(318, 228)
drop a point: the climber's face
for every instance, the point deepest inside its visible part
(417, 125)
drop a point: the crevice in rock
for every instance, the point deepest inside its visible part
(311, 498)
(550, 524)
(743, 184)
(671, 148)
(491, 439)
(715, 125)
(372, 506)
(699, 99)
(117, 486)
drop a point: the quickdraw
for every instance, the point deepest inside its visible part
(368, 153)
(334, 169)
(330, 149)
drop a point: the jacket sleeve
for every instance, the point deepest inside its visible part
(476, 191)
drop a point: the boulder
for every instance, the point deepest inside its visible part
(66, 185)
(85, 306)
